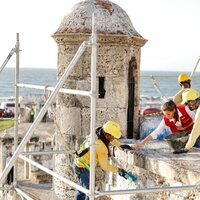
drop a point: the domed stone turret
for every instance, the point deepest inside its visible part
(111, 19)
(118, 74)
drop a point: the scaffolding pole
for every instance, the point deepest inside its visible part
(62, 90)
(148, 190)
(193, 71)
(48, 152)
(17, 46)
(156, 86)
(23, 194)
(43, 111)
(48, 171)
(93, 108)
(7, 59)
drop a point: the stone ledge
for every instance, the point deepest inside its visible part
(157, 157)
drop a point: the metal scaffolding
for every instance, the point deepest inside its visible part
(92, 41)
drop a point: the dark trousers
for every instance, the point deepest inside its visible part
(84, 180)
(10, 176)
(31, 118)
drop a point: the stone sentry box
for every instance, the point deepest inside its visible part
(118, 72)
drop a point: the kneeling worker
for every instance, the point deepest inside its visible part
(106, 135)
(192, 98)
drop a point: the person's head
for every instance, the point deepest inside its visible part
(169, 110)
(191, 97)
(9, 149)
(184, 80)
(111, 130)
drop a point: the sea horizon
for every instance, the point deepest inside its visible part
(167, 81)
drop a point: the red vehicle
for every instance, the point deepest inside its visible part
(1, 112)
(8, 114)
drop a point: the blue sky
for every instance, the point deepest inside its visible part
(171, 27)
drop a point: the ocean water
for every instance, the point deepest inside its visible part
(27, 76)
(167, 81)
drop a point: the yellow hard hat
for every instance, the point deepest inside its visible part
(189, 94)
(112, 128)
(183, 77)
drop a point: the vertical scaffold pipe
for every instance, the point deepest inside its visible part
(16, 107)
(93, 108)
(16, 103)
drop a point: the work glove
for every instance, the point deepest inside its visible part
(125, 147)
(127, 175)
(183, 150)
(121, 172)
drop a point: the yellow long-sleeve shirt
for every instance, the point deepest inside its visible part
(177, 99)
(195, 133)
(101, 156)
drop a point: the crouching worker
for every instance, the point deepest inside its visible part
(176, 119)
(105, 135)
(191, 98)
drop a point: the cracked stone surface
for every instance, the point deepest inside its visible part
(110, 19)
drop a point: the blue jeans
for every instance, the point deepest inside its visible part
(84, 180)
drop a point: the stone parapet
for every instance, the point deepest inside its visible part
(156, 166)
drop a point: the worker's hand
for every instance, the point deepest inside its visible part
(126, 147)
(180, 128)
(137, 146)
(183, 150)
(121, 172)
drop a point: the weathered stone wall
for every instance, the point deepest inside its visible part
(156, 166)
(113, 63)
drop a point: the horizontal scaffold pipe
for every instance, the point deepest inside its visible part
(67, 181)
(23, 194)
(62, 90)
(6, 187)
(148, 190)
(48, 152)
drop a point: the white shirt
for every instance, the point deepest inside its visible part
(163, 126)
(8, 159)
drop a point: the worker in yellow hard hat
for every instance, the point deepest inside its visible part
(191, 97)
(105, 135)
(185, 82)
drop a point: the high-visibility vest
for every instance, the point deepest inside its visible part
(185, 120)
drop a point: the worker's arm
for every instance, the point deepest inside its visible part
(102, 157)
(115, 143)
(195, 133)
(124, 147)
(153, 135)
(177, 99)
